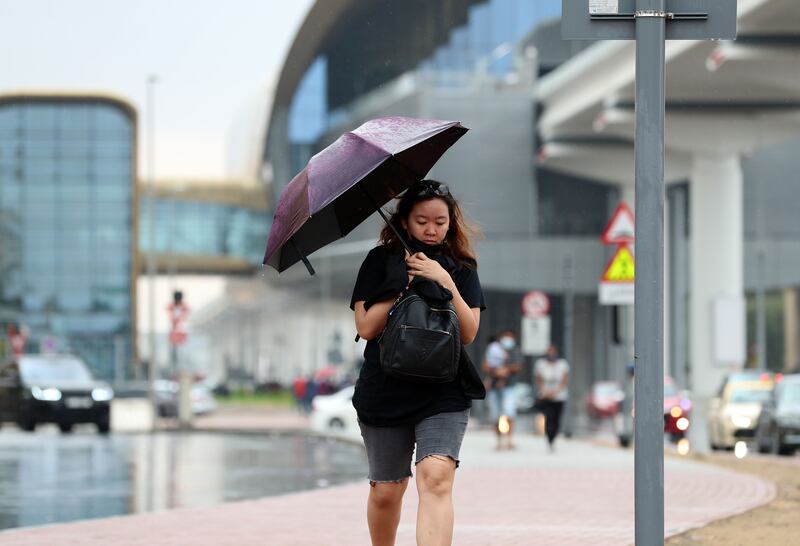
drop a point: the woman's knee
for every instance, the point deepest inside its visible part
(435, 475)
(388, 494)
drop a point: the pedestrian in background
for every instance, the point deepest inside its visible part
(311, 392)
(299, 391)
(502, 364)
(552, 376)
(395, 414)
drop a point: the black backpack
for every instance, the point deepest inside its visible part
(421, 342)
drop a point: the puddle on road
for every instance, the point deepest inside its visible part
(51, 478)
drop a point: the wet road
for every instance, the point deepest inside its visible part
(48, 477)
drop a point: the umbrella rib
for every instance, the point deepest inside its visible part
(385, 219)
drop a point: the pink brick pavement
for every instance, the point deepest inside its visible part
(581, 495)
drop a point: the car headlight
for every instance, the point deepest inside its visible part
(49, 394)
(741, 421)
(102, 394)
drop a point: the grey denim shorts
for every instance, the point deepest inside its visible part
(389, 449)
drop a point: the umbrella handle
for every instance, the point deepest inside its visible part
(302, 257)
(385, 219)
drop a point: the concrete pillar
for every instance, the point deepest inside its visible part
(716, 253)
(791, 330)
(677, 280)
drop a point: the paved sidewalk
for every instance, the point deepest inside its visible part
(582, 494)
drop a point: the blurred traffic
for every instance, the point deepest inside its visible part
(53, 388)
(734, 412)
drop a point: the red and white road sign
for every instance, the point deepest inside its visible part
(535, 304)
(177, 337)
(621, 229)
(178, 313)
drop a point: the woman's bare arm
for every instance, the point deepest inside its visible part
(469, 318)
(370, 323)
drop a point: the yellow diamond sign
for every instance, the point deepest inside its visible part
(620, 268)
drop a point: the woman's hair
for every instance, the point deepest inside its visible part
(458, 243)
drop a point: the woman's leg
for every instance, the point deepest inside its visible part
(389, 451)
(558, 409)
(510, 411)
(552, 411)
(548, 408)
(383, 511)
(493, 402)
(435, 475)
(438, 444)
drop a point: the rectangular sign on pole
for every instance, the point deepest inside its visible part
(611, 19)
(603, 7)
(535, 335)
(616, 293)
(728, 330)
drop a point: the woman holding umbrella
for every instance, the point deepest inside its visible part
(396, 415)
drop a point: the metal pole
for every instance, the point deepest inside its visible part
(761, 315)
(151, 256)
(649, 285)
(569, 308)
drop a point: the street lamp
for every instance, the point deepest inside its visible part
(151, 250)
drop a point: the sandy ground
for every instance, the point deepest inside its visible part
(776, 523)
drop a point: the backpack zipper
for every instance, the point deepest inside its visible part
(404, 328)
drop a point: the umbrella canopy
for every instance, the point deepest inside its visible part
(349, 180)
(325, 373)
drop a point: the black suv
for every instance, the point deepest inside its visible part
(60, 389)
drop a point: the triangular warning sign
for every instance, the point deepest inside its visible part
(620, 230)
(620, 268)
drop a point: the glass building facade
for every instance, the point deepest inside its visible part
(192, 220)
(66, 224)
(483, 42)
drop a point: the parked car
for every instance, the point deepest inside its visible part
(167, 392)
(734, 412)
(603, 400)
(53, 388)
(778, 428)
(334, 412)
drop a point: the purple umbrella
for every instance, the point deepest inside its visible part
(349, 180)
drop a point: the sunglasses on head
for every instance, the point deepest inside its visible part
(432, 190)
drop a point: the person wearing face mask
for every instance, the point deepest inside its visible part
(402, 421)
(502, 364)
(552, 376)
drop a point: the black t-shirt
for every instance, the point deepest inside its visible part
(382, 400)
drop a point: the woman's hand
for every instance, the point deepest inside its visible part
(419, 265)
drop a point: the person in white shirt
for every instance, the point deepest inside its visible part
(552, 376)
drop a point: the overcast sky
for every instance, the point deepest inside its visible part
(215, 61)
